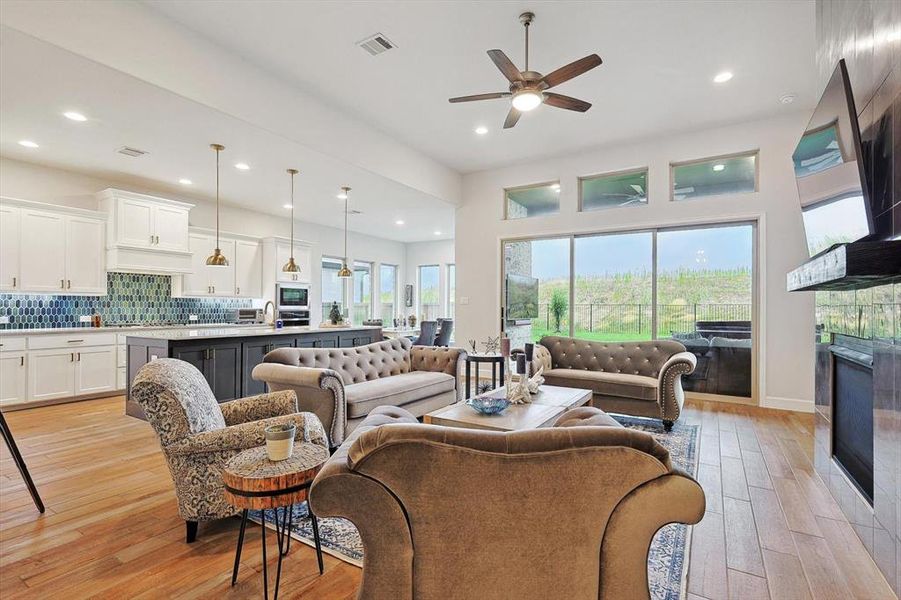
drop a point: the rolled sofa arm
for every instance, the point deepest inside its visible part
(439, 359)
(320, 391)
(670, 384)
(262, 406)
(248, 435)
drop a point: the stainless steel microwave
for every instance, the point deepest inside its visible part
(292, 296)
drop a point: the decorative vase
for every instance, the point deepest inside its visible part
(280, 441)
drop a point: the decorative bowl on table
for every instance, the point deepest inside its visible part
(488, 405)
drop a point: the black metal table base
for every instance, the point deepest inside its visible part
(497, 363)
(283, 537)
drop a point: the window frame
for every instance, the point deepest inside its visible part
(419, 269)
(371, 265)
(708, 159)
(449, 290)
(530, 186)
(583, 178)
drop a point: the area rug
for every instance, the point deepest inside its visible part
(667, 560)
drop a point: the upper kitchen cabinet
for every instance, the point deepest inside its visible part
(248, 269)
(51, 249)
(146, 234)
(276, 252)
(241, 278)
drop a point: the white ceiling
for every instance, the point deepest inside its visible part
(659, 61)
(41, 81)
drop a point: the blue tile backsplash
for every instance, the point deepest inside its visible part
(144, 299)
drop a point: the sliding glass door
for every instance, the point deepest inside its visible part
(705, 292)
(693, 284)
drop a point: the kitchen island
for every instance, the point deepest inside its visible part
(226, 356)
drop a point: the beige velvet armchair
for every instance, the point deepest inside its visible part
(563, 512)
(198, 435)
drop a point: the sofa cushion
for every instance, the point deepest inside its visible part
(623, 385)
(396, 390)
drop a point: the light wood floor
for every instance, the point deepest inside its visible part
(111, 529)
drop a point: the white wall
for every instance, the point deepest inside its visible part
(439, 252)
(32, 181)
(786, 320)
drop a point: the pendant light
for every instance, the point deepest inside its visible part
(217, 259)
(291, 266)
(345, 273)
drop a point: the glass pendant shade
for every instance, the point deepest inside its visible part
(217, 259)
(291, 266)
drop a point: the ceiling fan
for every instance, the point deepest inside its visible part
(527, 88)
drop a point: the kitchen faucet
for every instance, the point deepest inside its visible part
(266, 312)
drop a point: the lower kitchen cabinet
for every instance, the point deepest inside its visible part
(95, 370)
(220, 364)
(13, 377)
(51, 374)
(253, 354)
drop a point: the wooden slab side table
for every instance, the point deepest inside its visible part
(253, 482)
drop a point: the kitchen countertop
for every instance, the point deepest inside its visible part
(191, 333)
(141, 329)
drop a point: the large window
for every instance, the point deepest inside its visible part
(451, 289)
(362, 291)
(429, 294)
(332, 286)
(718, 176)
(532, 200)
(387, 293)
(693, 284)
(613, 190)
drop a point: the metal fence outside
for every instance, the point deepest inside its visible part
(620, 319)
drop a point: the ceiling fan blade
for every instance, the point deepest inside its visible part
(505, 65)
(573, 69)
(475, 97)
(566, 102)
(512, 118)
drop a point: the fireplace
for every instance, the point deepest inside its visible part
(852, 417)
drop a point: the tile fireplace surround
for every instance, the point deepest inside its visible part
(873, 314)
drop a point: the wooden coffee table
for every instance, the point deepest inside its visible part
(547, 405)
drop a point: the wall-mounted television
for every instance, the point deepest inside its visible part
(522, 298)
(830, 170)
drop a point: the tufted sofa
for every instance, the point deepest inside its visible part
(402, 484)
(342, 385)
(635, 378)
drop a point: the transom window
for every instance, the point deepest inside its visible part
(532, 200)
(717, 176)
(614, 190)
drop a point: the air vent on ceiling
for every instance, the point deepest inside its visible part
(376, 44)
(128, 151)
(353, 211)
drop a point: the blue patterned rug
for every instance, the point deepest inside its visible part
(667, 560)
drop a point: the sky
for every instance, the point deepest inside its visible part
(842, 220)
(711, 248)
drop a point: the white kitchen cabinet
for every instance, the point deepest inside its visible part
(95, 370)
(206, 280)
(146, 234)
(13, 377)
(85, 256)
(51, 373)
(10, 277)
(43, 251)
(196, 283)
(248, 269)
(301, 259)
(222, 279)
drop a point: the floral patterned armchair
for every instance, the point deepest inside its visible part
(198, 435)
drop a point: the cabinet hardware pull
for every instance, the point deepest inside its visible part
(212, 354)
(68, 284)
(151, 238)
(238, 291)
(71, 357)
(14, 282)
(21, 361)
(62, 284)
(214, 289)
(79, 356)
(73, 341)
(157, 240)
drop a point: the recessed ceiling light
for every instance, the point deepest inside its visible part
(242, 166)
(185, 181)
(722, 77)
(481, 130)
(437, 233)
(399, 222)
(75, 116)
(719, 167)
(28, 144)
(287, 206)
(787, 98)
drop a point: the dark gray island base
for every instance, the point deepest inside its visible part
(227, 356)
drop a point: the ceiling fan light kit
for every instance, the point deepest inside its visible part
(527, 88)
